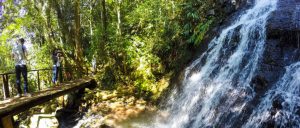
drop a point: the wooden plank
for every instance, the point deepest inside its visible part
(7, 122)
(17, 105)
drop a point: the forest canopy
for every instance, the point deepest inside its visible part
(134, 42)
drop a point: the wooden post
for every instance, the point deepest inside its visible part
(87, 71)
(5, 86)
(38, 78)
(7, 122)
(60, 75)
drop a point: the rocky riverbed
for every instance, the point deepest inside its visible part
(96, 108)
(112, 109)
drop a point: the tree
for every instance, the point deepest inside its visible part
(136, 42)
(78, 44)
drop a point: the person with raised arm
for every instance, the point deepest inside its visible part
(19, 53)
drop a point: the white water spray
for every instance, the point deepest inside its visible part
(216, 86)
(281, 105)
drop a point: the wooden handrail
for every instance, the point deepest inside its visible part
(5, 77)
(13, 72)
(7, 73)
(43, 69)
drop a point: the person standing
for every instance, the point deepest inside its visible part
(56, 58)
(19, 53)
(94, 65)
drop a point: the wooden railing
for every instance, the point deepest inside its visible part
(5, 91)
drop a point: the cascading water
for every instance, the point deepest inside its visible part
(216, 87)
(281, 106)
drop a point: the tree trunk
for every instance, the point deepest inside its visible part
(119, 32)
(102, 43)
(61, 23)
(104, 20)
(78, 44)
(90, 21)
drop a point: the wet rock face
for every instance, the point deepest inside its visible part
(283, 40)
(277, 102)
(284, 24)
(282, 48)
(230, 6)
(287, 16)
(298, 110)
(258, 83)
(276, 106)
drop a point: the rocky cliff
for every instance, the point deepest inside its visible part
(283, 41)
(282, 49)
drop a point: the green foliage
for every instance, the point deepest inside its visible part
(200, 31)
(136, 43)
(196, 20)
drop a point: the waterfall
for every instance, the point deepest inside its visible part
(281, 106)
(216, 87)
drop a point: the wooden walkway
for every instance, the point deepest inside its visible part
(13, 106)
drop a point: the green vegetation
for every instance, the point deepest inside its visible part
(137, 43)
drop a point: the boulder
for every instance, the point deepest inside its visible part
(259, 83)
(43, 121)
(47, 109)
(230, 6)
(211, 12)
(268, 124)
(277, 102)
(298, 110)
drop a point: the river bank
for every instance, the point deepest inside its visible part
(112, 109)
(96, 108)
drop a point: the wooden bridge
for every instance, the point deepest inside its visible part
(14, 105)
